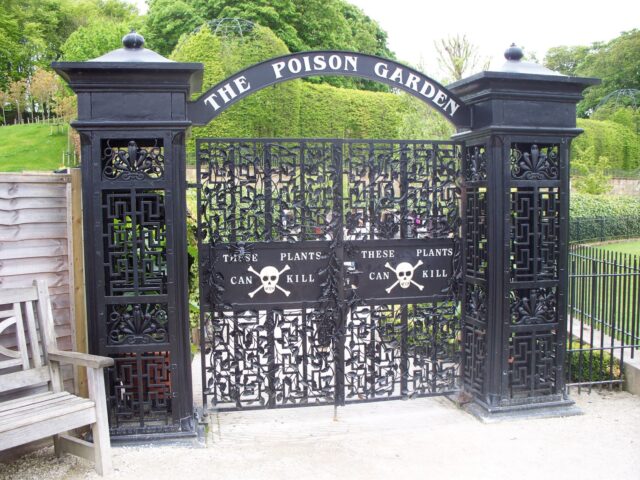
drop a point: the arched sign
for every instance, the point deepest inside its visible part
(306, 64)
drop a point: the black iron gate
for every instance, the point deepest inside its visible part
(328, 270)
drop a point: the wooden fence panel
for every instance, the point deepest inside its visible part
(36, 242)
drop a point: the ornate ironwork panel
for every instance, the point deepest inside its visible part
(135, 324)
(532, 363)
(534, 261)
(329, 270)
(475, 222)
(134, 239)
(140, 392)
(133, 162)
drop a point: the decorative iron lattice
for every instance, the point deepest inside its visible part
(133, 161)
(134, 233)
(268, 358)
(475, 239)
(535, 233)
(474, 358)
(140, 392)
(534, 306)
(532, 363)
(534, 163)
(476, 262)
(476, 304)
(340, 200)
(535, 246)
(475, 164)
(136, 324)
(394, 352)
(135, 312)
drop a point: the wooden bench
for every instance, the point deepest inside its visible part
(34, 413)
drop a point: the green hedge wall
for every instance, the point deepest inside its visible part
(299, 108)
(597, 218)
(584, 205)
(617, 142)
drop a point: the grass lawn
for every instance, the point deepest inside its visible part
(631, 246)
(32, 147)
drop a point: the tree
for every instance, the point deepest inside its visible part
(93, 40)
(17, 90)
(11, 48)
(300, 24)
(616, 63)
(167, 21)
(43, 86)
(458, 57)
(565, 60)
(4, 99)
(32, 31)
(66, 108)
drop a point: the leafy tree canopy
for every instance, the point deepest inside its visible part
(33, 31)
(300, 24)
(93, 40)
(616, 62)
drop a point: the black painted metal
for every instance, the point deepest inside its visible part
(604, 316)
(306, 64)
(329, 270)
(342, 335)
(132, 122)
(515, 231)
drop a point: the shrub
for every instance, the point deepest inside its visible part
(596, 218)
(584, 205)
(608, 139)
(584, 366)
(590, 177)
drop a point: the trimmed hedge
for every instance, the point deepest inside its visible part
(584, 366)
(597, 218)
(585, 205)
(300, 108)
(618, 143)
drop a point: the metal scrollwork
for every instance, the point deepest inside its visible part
(475, 164)
(283, 195)
(537, 164)
(537, 306)
(137, 324)
(476, 305)
(132, 163)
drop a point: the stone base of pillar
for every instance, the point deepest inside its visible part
(546, 407)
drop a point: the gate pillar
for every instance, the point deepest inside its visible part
(515, 202)
(132, 121)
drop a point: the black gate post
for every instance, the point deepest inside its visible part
(132, 121)
(515, 202)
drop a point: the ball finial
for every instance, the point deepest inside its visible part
(133, 40)
(513, 53)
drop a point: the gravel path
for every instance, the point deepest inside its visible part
(424, 438)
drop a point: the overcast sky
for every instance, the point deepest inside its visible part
(537, 25)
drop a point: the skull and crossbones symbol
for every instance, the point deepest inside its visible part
(269, 277)
(404, 275)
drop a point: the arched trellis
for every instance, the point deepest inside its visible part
(317, 63)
